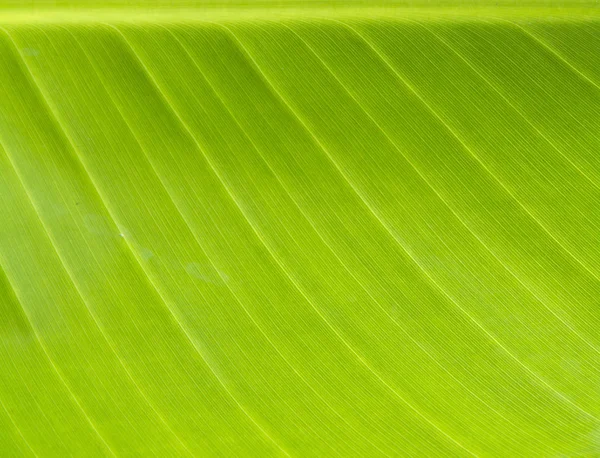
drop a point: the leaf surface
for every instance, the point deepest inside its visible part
(299, 229)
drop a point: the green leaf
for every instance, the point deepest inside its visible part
(305, 229)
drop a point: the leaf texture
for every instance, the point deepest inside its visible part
(293, 231)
